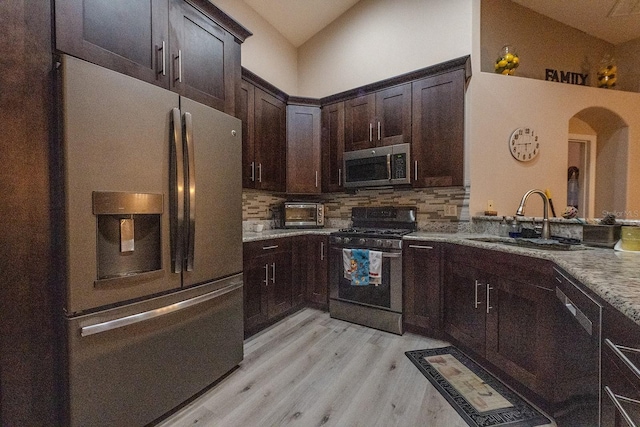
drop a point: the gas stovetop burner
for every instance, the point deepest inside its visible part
(376, 227)
(374, 232)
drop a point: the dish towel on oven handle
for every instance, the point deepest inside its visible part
(375, 267)
(362, 266)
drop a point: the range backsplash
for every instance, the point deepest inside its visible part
(257, 205)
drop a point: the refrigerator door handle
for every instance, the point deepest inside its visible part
(177, 192)
(190, 201)
(151, 314)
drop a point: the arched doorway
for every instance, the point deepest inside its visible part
(605, 164)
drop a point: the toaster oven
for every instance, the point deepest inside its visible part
(302, 215)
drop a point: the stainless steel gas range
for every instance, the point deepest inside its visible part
(377, 229)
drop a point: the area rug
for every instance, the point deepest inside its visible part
(481, 399)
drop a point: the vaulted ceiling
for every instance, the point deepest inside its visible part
(615, 21)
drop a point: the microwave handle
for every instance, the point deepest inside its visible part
(389, 166)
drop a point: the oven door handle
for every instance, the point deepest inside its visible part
(384, 254)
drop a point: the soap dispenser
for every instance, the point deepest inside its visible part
(504, 228)
(514, 230)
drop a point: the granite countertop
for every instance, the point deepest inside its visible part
(612, 275)
(252, 236)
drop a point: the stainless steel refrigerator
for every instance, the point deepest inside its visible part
(153, 216)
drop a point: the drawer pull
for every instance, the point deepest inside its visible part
(475, 301)
(618, 350)
(616, 398)
(266, 248)
(420, 247)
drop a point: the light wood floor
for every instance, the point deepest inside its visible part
(311, 370)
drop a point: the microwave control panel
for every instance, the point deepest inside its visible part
(399, 166)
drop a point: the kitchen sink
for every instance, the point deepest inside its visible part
(532, 243)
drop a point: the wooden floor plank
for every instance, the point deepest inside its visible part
(312, 370)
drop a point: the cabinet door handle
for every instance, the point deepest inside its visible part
(340, 177)
(273, 277)
(253, 171)
(163, 61)
(266, 274)
(370, 132)
(259, 172)
(378, 130)
(389, 166)
(266, 248)
(616, 398)
(618, 351)
(321, 251)
(316, 179)
(489, 288)
(475, 301)
(422, 247)
(415, 170)
(179, 67)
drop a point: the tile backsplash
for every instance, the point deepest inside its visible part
(435, 206)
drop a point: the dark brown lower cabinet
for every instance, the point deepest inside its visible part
(520, 331)
(620, 393)
(283, 275)
(500, 306)
(267, 281)
(316, 269)
(422, 268)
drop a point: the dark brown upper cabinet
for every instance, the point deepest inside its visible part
(205, 59)
(189, 46)
(437, 147)
(377, 119)
(303, 149)
(264, 138)
(332, 146)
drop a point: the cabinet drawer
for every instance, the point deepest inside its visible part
(620, 387)
(620, 368)
(263, 247)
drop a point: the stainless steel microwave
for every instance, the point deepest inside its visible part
(303, 215)
(375, 167)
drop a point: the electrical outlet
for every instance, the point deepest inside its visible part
(450, 210)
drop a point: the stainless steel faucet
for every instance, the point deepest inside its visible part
(546, 232)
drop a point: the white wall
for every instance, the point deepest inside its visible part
(628, 60)
(558, 46)
(378, 39)
(266, 53)
(499, 104)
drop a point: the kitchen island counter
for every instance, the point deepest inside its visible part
(612, 275)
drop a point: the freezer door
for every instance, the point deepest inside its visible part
(213, 193)
(116, 133)
(130, 365)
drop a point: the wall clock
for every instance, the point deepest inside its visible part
(524, 145)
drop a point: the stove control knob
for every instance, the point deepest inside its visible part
(388, 243)
(337, 240)
(362, 241)
(378, 243)
(346, 240)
